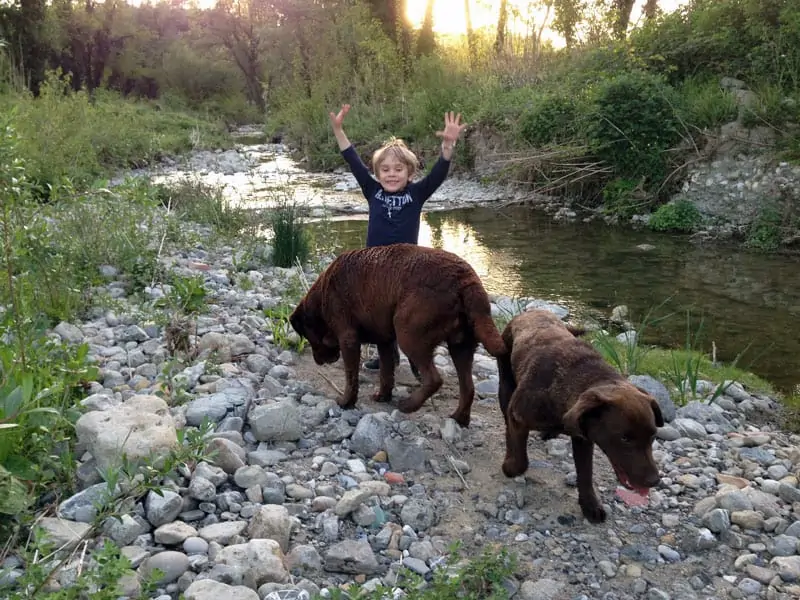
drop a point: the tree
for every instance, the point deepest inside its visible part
(622, 18)
(650, 9)
(22, 24)
(500, 39)
(471, 42)
(239, 25)
(426, 42)
(568, 14)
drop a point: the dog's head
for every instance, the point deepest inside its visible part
(622, 419)
(308, 323)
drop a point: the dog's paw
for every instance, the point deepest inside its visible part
(513, 468)
(346, 403)
(382, 398)
(593, 511)
(461, 418)
(407, 405)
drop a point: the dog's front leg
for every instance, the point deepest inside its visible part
(582, 451)
(351, 355)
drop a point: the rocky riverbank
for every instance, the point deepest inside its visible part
(301, 497)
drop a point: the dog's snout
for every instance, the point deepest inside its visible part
(652, 479)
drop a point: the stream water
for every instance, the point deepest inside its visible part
(743, 298)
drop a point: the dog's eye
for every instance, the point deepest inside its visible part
(625, 439)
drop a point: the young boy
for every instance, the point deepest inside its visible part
(395, 202)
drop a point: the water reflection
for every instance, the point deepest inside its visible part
(743, 298)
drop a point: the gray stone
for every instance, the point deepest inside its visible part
(351, 556)
(279, 421)
(370, 434)
(658, 391)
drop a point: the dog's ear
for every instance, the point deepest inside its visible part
(656, 411)
(588, 402)
(653, 405)
(296, 320)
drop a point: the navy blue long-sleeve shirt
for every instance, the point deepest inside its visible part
(394, 217)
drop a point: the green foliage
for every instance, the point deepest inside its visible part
(126, 481)
(756, 40)
(623, 198)
(281, 328)
(550, 118)
(481, 577)
(40, 380)
(101, 580)
(632, 124)
(764, 234)
(681, 216)
(193, 200)
(65, 135)
(705, 104)
(290, 242)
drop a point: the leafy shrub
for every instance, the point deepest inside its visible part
(632, 123)
(623, 198)
(681, 216)
(550, 119)
(706, 104)
(290, 242)
(764, 233)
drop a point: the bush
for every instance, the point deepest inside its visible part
(550, 119)
(64, 136)
(290, 243)
(680, 216)
(764, 233)
(706, 105)
(623, 198)
(632, 123)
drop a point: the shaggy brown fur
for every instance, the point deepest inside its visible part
(416, 296)
(554, 383)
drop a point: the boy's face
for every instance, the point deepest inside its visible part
(393, 174)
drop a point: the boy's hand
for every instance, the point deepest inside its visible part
(338, 119)
(452, 128)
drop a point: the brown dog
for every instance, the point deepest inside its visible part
(416, 296)
(554, 383)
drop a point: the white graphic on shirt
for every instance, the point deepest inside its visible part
(393, 203)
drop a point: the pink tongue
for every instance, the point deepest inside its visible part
(639, 497)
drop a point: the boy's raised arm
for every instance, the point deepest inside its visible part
(357, 167)
(336, 123)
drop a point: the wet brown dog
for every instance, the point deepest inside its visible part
(554, 383)
(416, 296)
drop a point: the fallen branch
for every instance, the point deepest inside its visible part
(330, 382)
(452, 462)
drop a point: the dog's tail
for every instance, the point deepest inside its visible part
(479, 314)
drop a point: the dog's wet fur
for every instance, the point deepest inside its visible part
(555, 383)
(416, 296)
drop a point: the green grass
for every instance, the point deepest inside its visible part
(660, 363)
(791, 417)
(66, 137)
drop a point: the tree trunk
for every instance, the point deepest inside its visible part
(650, 9)
(623, 18)
(500, 40)
(538, 50)
(470, 35)
(426, 42)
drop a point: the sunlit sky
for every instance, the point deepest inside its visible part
(449, 16)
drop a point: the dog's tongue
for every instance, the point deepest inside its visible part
(635, 497)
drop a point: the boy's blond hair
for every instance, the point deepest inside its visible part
(397, 148)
